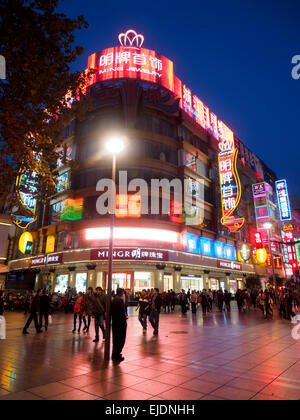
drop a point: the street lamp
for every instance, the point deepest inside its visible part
(268, 227)
(114, 146)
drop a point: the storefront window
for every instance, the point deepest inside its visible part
(214, 284)
(121, 280)
(192, 283)
(62, 282)
(233, 286)
(142, 280)
(81, 280)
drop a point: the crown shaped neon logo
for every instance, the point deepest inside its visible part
(130, 38)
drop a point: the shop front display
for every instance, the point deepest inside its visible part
(81, 282)
(191, 282)
(62, 283)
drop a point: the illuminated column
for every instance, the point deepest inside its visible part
(206, 279)
(227, 282)
(72, 277)
(99, 279)
(91, 280)
(177, 279)
(159, 277)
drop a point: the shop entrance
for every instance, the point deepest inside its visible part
(142, 280)
(121, 280)
(168, 282)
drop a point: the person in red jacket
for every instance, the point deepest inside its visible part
(79, 312)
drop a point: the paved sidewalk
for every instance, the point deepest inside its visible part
(220, 356)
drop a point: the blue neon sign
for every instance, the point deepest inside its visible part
(283, 200)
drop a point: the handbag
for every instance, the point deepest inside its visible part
(2, 328)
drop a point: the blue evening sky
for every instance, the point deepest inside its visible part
(234, 54)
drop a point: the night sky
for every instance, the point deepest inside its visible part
(235, 55)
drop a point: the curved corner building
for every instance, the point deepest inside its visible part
(170, 134)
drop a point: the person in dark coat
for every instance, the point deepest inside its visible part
(155, 308)
(227, 300)
(119, 325)
(34, 313)
(44, 309)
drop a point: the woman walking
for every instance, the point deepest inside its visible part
(79, 312)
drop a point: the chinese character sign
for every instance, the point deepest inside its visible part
(283, 200)
(290, 249)
(132, 63)
(230, 185)
(197, 110)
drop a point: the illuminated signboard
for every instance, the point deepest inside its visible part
(230, 185)
(258, 242)
(25, 243)
(26, 187)
(291, 249)
(128, 254)
(67, 210)
(63, 182)
(283, 200)
(208, 247)
(128, 205)
(133, 62)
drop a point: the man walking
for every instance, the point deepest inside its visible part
(156, 303)
(119, 325)
(34, 313)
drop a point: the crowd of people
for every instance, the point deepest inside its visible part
(93, 305)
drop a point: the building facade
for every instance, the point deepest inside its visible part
(170, 134)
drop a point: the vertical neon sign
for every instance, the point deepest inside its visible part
(283, 200)
(230, 184)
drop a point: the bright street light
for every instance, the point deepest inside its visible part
(115, 145)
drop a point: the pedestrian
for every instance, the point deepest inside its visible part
(183, 301)
(44, 309)
(89, 308)
(220, 300)
(34, 313)
(194, 301)
(155, 308)
(173, 300)
(99, 309)
(227, 300)
(119, 325)
(204, 302)
(143, 307)
(79, 312)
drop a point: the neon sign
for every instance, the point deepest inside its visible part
(283, 200)
(130, 37)
(230, 185)
(258, 242)
(132, 61)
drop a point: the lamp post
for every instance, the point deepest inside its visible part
(114, 146)
(268, 227)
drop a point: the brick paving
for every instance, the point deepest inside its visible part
(220, 356)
